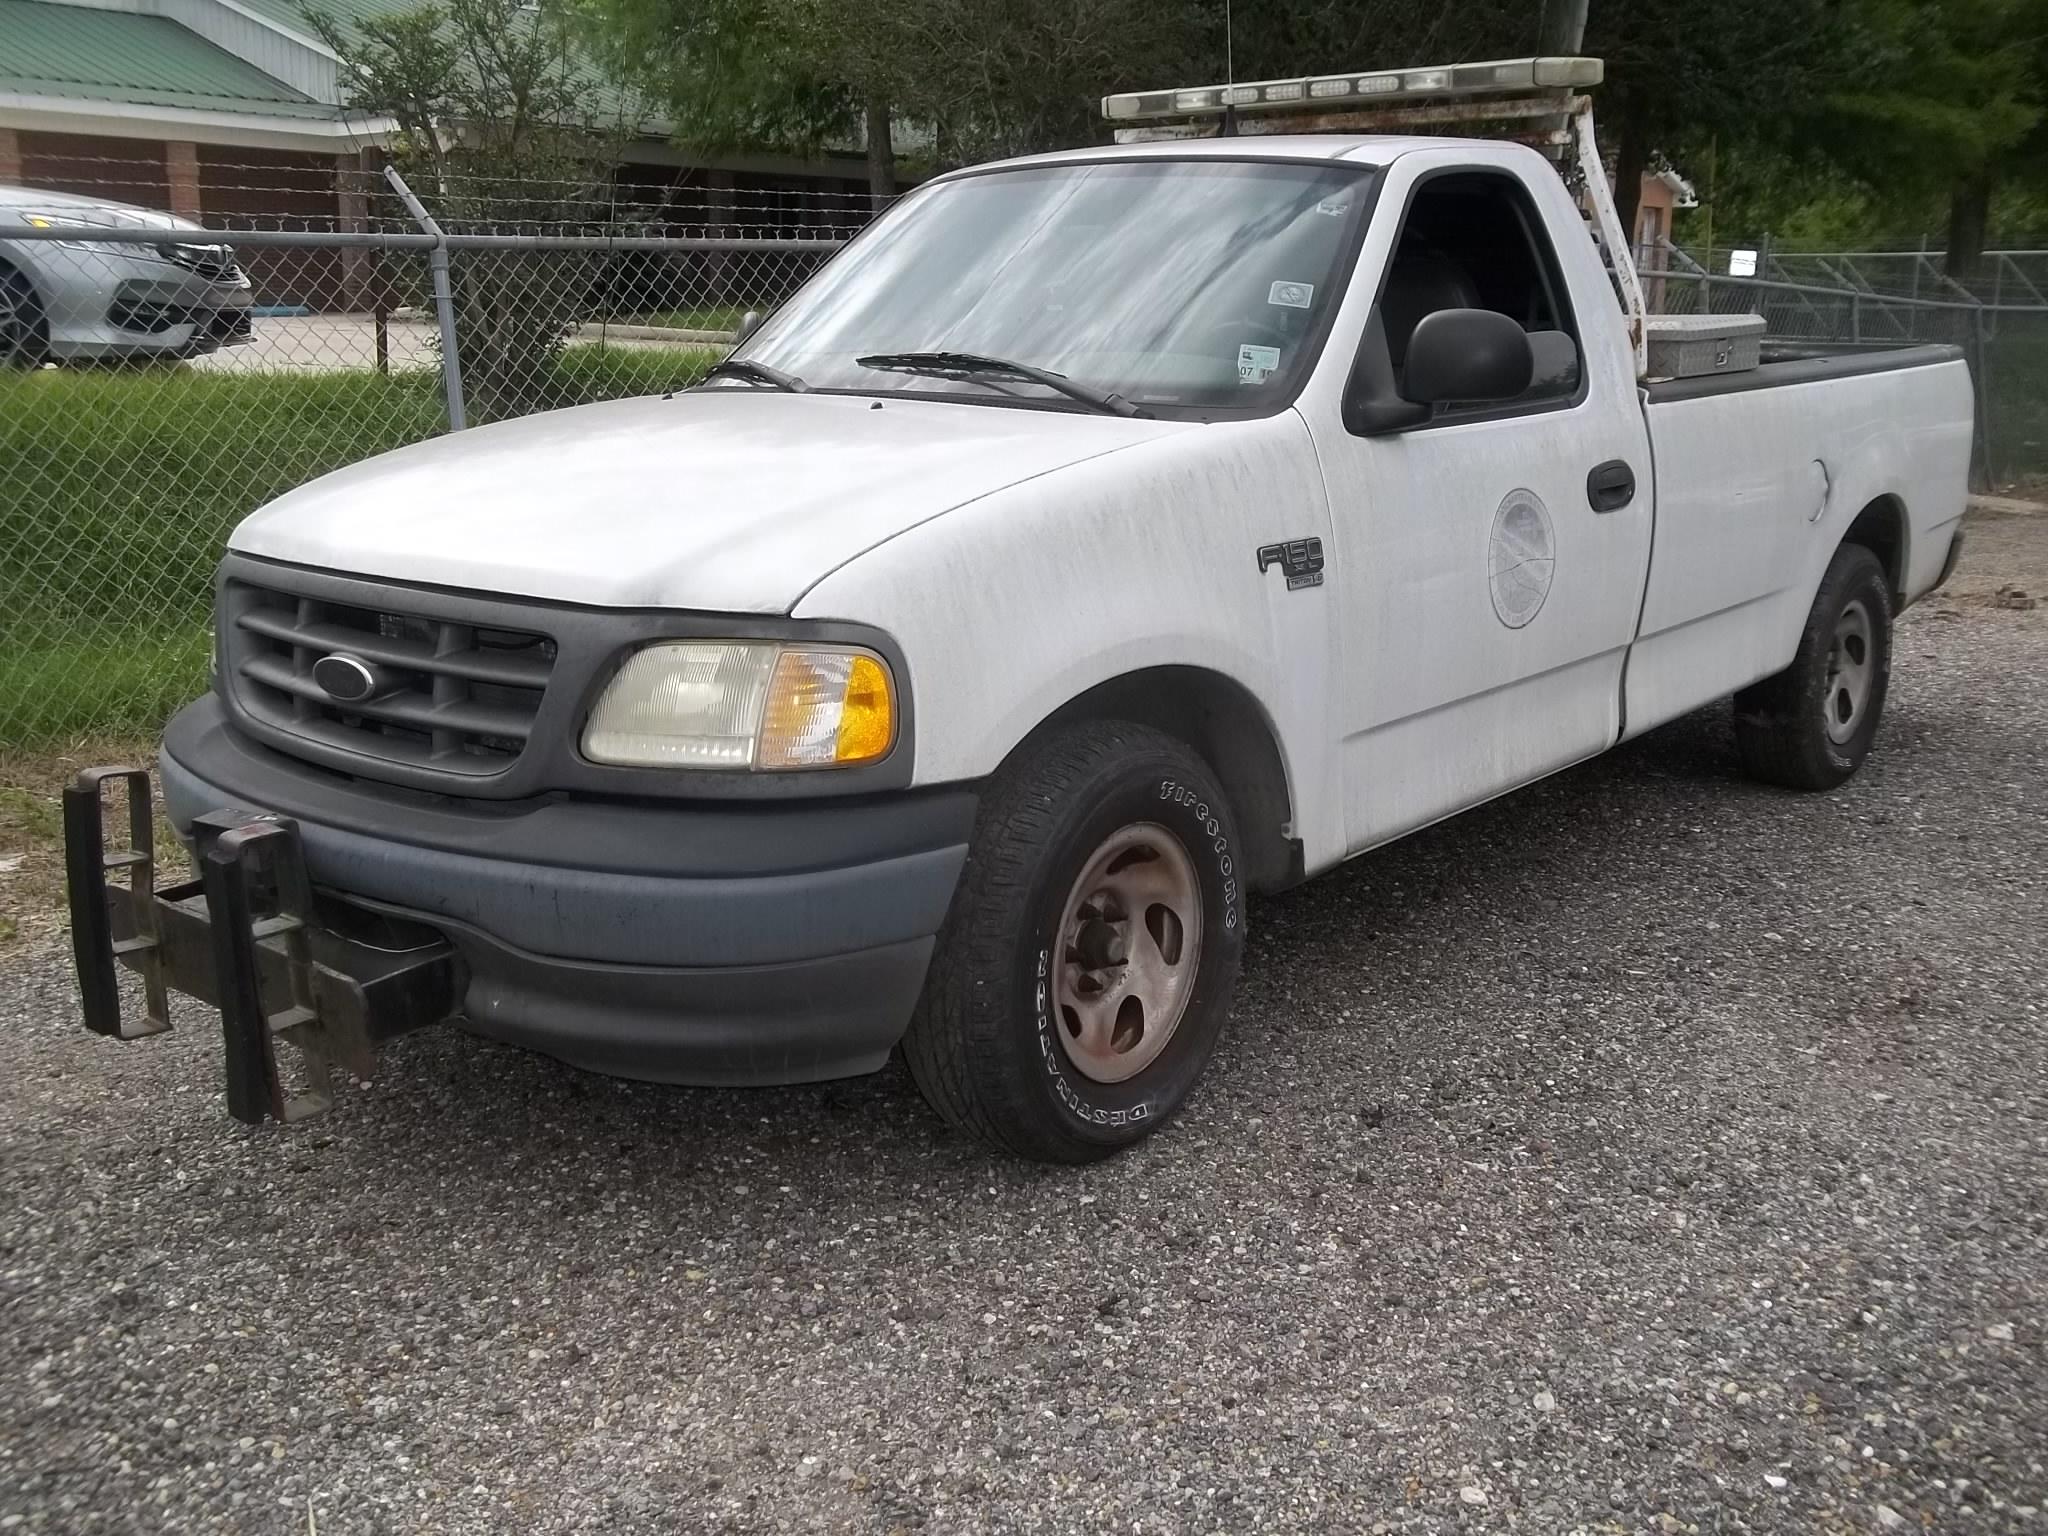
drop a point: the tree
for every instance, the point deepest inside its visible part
(1947, 96)
(1006, 77)
(727, 74)
(1313, 37)
(1695, 67)
(971, 77)
(503, 127)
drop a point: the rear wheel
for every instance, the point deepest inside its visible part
(1087, 964)
(24, 332)
(1811, 726)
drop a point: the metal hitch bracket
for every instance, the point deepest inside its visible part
(330, 978)
(233, 860)
(86, 867)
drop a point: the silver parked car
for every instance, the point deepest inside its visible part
(81, 300)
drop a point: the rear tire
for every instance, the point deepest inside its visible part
(24, 329)
(1811, 726)
(1085, 969)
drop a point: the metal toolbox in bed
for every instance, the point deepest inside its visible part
(1693, 346)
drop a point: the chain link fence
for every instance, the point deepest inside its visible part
(159, 384)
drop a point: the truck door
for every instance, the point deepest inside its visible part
(1490, 560)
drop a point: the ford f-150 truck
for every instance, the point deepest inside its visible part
(1100, 539)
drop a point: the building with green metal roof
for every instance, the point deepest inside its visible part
(208, 71)
(230, 109)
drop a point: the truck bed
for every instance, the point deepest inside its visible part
(1759, 476)
(1787, 363)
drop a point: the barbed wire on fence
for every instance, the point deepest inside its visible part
(255, 195)
(2000, 278)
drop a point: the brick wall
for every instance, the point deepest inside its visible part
(124, 170)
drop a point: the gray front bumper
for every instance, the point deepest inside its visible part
(684, 942)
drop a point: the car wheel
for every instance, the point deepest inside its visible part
(1086, 966)
(24, 332)
(1811, 725)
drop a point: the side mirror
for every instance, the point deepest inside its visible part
(750, 322)
(1467, 354)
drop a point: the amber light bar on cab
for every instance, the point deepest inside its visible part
(1320, 93)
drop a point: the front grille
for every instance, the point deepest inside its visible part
(216, 263)
(455, 697)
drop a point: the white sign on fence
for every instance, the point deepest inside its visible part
(1742, 263)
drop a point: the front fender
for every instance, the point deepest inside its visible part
(1011, 607)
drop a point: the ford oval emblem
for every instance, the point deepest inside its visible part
(344, 678)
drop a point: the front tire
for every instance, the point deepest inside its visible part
(1086, 967)
(1811, 726)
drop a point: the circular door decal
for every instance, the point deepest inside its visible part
(1521, 557)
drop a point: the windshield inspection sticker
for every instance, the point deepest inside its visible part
(1256, 364)
(1332, 206)
(1291, 295)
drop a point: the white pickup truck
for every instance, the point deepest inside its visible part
(1100, 539)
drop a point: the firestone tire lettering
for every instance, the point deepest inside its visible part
(1179, 794)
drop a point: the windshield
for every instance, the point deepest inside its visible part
(1169, 282)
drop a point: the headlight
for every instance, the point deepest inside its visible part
(59, 221)
(744, 704)
(87, 221)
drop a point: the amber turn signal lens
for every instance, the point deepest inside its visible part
(827, 708)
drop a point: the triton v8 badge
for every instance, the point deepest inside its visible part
(1301, 559)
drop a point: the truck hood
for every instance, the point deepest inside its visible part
(735, 500)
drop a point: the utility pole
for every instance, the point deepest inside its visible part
(1562, 32)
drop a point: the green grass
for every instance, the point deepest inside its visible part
(120, 679)
(595, 372)
(709, 317)
(118, 491)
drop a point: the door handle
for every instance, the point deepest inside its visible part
(1611, 486)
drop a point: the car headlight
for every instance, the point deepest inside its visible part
(59, 221)
(86, 223)
(744, 705)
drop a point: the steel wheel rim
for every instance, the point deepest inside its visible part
(1852, 665)
(1130, 943)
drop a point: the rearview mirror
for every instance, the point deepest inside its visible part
(750, 322)
(1466, 354)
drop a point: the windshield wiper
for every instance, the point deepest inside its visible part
(755, 373)
(968, 365)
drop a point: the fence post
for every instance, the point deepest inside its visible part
(444, 297)
(1987, 474)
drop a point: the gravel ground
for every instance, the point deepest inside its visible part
(1647, 1152)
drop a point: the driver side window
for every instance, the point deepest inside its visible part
(1471, 240)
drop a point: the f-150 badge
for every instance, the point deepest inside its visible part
(1301, 559)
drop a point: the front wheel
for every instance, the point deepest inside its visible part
(1085, 969)
(1811, 726)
